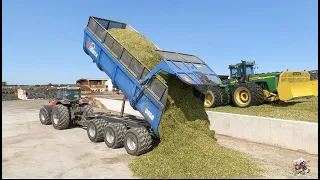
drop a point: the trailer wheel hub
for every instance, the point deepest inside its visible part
(92, 130)
(109, 137)
(131, 143)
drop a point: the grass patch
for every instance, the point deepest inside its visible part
(300, 109)
(187, 148)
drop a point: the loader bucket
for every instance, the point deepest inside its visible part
(296, 84)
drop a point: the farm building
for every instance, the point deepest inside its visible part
(93, 84)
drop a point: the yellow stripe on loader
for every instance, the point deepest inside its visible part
(296, 84)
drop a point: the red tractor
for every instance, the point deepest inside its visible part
(66, 109)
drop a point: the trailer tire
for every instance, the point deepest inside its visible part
(95, 130)
(88, 110)
(212, 97)
(137, 141)
(44, 116)
(60, 117)
(113, 135)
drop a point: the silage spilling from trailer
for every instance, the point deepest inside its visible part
(187, 148)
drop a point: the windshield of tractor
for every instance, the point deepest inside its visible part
(249, 70)
(59, 94)
(72, 94)
(234, 71)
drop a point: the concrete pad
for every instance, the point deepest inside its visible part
(33, 150)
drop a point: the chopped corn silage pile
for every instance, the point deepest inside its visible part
(187, 148)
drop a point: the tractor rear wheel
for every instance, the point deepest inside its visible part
(44, 116)
(260, 95)
(88, 110)
(114, 135)
(60, 117)
(247, 94)
(95, 130)
(225, 97)
(137, 141)
(213, 97)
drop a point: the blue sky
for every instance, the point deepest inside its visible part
(42, 40)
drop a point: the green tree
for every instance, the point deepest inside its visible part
(4, 83)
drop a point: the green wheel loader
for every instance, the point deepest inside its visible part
(245, 88)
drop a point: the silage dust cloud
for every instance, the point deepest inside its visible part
(187, 148)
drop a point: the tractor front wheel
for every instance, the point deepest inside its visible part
(44, 116)
(60, 117)
(247, 94)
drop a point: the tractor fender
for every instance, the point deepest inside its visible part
(83, 101)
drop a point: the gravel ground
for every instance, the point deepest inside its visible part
(32, 150)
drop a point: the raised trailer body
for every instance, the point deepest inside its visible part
(145, 92)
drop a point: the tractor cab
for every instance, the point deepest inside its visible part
(242, 71)
(68, 93)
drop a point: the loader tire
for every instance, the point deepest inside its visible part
(88, 110)
(225, 97)
(95, 130)
(137, 141)
(44, 116)
(60, 117)
(113, 135)
(246, 94)
(212, 97)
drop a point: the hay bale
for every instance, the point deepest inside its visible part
(187, 148)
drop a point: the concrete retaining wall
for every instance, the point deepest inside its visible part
(22, 94)
(115, 105)
(294, 135)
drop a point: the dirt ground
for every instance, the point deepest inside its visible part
(32, 150)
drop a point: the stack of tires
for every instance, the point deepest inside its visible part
(9, 94)
(41, 94)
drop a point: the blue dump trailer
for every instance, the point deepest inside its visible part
(145, 92)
